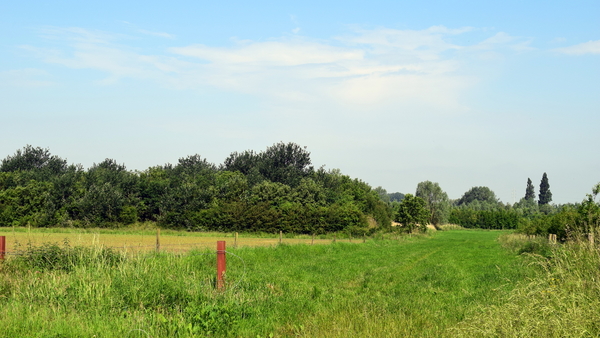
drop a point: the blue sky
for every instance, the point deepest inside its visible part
(461, 93)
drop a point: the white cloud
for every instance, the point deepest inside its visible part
(501, 39)
(590, 47)
(158, 34)
(365, 68)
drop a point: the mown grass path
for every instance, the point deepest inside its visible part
(415, 287)
(419, 286)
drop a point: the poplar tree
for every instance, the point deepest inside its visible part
(530, 191)
(545, 195)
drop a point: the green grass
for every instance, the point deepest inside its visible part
(562, 300)
(418, 286)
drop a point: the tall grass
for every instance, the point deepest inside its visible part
(563, 300)
(413, 286)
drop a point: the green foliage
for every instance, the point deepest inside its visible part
(383, 195)
(23, 204)
(565, 221)
(545, 195)
(589, 212)
(480, 194)
(529, 191)
(436, 200)
(37, 160)
(274, 190)
(497, 218)
(412, 213)
(129, 214)
(396, 196)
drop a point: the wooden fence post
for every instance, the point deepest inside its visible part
(312, 242)
(2, 246)
(334, 238)
(220, 264)
(235, 240)
(157, 240)
(280, 236)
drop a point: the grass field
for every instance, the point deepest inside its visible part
(145, 239)
(419, 287)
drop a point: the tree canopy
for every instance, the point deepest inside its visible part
(480, 194)
(436, 201)
(412, 213)
(277, 189)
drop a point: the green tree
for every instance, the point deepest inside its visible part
(436, 200)
(383, 195)
(589, 212)
(530, 191)
(37, 160)
(412, 213)
(482, 194)
(285, 163)
(545, 195)
(396, 196)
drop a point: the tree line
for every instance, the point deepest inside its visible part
(480, 208)
(277, 189)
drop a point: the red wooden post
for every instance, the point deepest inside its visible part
(2, 246)
(220, 264)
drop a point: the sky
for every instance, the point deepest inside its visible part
(462, 93)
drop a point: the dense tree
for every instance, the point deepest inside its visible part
(530, 191)
(545, 195)
(242, 162)
(396, 196)
(412, 213)
(382, 194)
(436, 201)
(37, 160)
(481, 194)
(277, 189)
(285, 163)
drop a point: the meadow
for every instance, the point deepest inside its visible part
(143, 238)
(420, 286)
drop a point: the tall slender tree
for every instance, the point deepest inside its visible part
(545, 195)
(530, 191)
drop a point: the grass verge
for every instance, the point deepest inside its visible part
(562, 300)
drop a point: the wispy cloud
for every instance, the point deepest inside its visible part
(590, 47)
(362, 68)
(159, 34)
(504, 40)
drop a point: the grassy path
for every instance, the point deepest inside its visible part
(419, 287)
